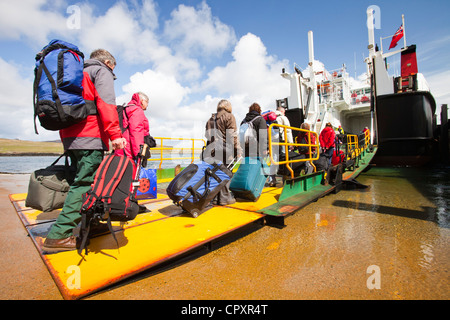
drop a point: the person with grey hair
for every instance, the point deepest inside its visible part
(135, 124)
(85, 143)
(222, 143)
(283, 120)
(105, 56)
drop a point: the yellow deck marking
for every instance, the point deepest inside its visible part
(152, 238)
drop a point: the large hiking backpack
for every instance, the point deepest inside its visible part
(57, 90)
(111, 197)
(270, 116)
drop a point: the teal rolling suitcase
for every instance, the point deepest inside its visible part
(248, 182)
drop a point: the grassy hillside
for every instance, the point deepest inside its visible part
(17, 147)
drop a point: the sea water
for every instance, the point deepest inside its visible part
(28, 164)
(25, 164)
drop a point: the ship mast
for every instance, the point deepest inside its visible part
(370, 68)
(312, 82)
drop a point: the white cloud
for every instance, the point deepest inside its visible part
(181, 67)
(130, 33)
(148, 15)
(119, 31)
(169, 112)
(164, 92)
(253, 76)
(16, 106)
(31, 20)
(360, 82)
(198, 32)
(438, 83)
(112, 30)
(127, 30)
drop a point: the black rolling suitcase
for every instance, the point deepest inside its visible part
(322, 164)
(297, 167)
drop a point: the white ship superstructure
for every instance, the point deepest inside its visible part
(319, 96)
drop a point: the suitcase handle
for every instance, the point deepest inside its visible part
(193, 189)
(55, 185)
(234, 163)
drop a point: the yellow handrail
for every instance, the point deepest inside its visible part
(366, 138)
(352, 146)
(162, 148)
(286, 146)
(352, 142)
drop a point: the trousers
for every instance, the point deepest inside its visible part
(87, 163)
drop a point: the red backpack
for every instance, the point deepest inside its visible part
(111, 197)
(338, 157)
(270, 116)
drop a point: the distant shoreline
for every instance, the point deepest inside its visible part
(29, 154)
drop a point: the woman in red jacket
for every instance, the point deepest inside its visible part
(302, 138)
(327, 141)
(135, 124)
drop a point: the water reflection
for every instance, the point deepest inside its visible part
(403, 190)
(426, 260)
(401, 224)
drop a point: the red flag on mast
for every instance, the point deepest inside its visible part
(396, 37)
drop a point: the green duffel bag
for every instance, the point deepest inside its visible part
(48, 187)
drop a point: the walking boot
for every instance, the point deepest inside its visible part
(57, 245)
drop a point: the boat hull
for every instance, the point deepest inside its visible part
(405, 125)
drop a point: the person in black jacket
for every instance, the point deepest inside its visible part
(260, 148)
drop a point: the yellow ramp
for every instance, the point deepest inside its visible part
(151, 239)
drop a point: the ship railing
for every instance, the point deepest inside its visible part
(364, 139)
(356, 144)
(313, 148)
(170, 153)
(329, 91)
(367, 138)
(353, 148)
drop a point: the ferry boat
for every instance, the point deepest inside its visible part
(404, 107)
(166, 233)
(399, 110)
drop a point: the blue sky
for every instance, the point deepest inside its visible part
(187, 55)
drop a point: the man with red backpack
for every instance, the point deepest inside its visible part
(85, 143)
